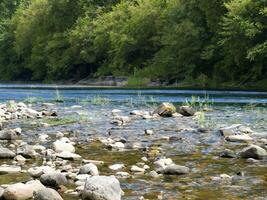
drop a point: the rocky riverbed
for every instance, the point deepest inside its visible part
(123, 151)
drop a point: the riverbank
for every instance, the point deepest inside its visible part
(123, 82)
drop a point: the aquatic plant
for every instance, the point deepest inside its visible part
(11, 104)
(198, 102)
(100, 100)
(32, 100)
(60, 121)
(58, 97)
(142, 100)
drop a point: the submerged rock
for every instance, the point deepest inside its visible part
(165, 110)
(102, 188)
(47, 194)
(253, 151)
(6, 153)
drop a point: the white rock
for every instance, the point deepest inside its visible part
(60, 146)
(116, 167)
(8, 169)
(134, 168)
(68, 155)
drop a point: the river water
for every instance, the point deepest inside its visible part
(21, 92)
(90, 118)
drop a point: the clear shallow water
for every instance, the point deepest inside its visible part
(76, 93)
(198, 151)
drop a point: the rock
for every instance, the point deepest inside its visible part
(253, 151)
(82, 177)
(32, 113)
(186, 111)
(123, 119)
(68, 155)
(8, 169)
(228, 154)
(117, 146)
(235, 129)
(89, 169)
(139, 112)
(96, 162)
(36, 172)
(165, 110)
(163, 162)
(149, 132)
(135, 168)
(239, 138)
(47, 194)
(20, 159)
(153, 174)
(122, 175)
(102, 188)
(60, 146)
(116, 167)
(53, 179)
(9, 134)
(43, 138)
(6, 153)
(49, 113)
(174, 170)
(59, 135)
(27, 151)
(1, 192)
(20, 191)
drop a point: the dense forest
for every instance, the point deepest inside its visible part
(208, 42)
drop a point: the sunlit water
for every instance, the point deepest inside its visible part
(195, 150)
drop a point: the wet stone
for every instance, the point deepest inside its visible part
(53, 179)
(253, 151)
(6, 153)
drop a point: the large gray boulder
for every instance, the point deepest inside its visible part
(47, 194)
(253, 151)
(53, 179)
(6, 153)
(102, 188)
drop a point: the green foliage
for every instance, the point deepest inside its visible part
(200, 42)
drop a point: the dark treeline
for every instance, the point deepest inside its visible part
(209, 42)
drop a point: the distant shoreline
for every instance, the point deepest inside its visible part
(71, 85)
